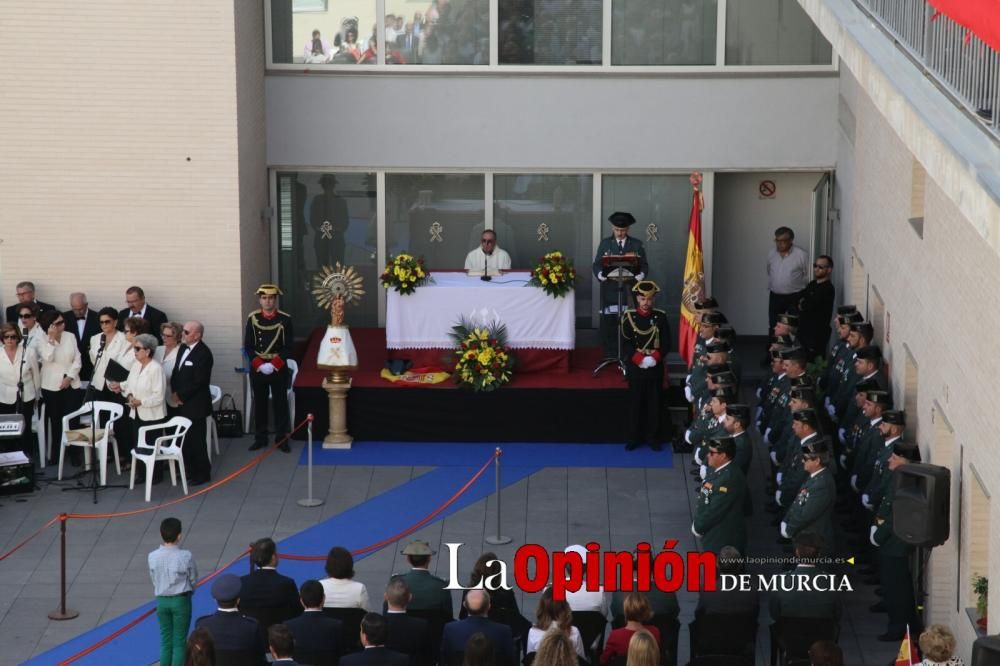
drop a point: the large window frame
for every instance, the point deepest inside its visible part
(494, 67)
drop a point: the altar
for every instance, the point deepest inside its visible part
(541, 329)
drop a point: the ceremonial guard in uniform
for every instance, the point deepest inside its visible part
(811, 511)
(619, 243)
(644, 335)
(718, 518)
(894, 555)
(268, 340)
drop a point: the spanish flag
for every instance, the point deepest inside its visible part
(694, 276)
(907, 655)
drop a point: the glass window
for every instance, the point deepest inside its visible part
(336, 32)
(444, 33)
(773, 32)
(436, 216)
(663, 32)
(662, 209)
(535, 214)
(550, 32)
(324, 218)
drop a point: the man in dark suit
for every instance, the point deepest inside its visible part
(265, 594)
(281, 645)
(457, 634)
(137, 307)
(25, 294)
(232, 631)
(405, 633)
(373, 629)
(82, 323)
(618, 243)
(314, 633)
(189, 384)
(791, 600)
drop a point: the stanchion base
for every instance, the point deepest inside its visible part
(69, 614)
(341, 443)
(498, 540)
(309, 502)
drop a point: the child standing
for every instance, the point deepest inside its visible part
(174, 576)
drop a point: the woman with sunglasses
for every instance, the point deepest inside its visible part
(144, 392)
(166, 355)
(109, 344)
(18, 382)
(61, 363)
(27, 320)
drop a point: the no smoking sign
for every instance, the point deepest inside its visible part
(767, 189)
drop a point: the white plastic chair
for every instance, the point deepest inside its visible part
(211, 429)
(105, 413)
(167, 446)
(293, 367)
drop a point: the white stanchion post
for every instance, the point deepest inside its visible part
(310, 500)
(498, 540)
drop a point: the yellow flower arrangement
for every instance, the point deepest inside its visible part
(555, 274)
(484, 362)
(404, 273)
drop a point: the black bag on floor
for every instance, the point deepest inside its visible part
(228, 422)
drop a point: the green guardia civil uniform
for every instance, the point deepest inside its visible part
(705, 427)
(428, 591)
(718, 517)
(894, 571)
(867, 454)
(811, 511)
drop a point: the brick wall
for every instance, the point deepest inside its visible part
(121, 158)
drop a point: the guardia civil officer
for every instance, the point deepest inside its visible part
(718, 517)
(268, 340)
(619, 243)
(644, 337)
(811, 511)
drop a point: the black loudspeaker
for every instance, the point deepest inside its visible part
(922, 509)
(986, 651)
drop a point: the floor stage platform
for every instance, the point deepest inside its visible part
(561, 405)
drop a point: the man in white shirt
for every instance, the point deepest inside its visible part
(487, 259)
(788, 273)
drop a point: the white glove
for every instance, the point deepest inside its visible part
(647, 362)
(756, 415)
(777, 478)
(777, 497)
(867, 501)
(601, 277)
(843, 460)
(871, 536)
(774, 457)
(694, 531)
(854, 483)
(831, 411)
(826, 402)
(687, 381)
(759, 389)
(266, 369)
(687, 438)
(639, 276)
(767, 434)
(784, 530)
(703, 471)
(841, 434)
(688, 394)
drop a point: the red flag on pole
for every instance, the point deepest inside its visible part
(907, 655)
(694, 275)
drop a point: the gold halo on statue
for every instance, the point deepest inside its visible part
(337, 282)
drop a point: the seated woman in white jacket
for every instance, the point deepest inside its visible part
(12, 374)
(61, 363)
(144, 392)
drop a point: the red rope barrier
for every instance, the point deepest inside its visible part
(409, 530)
(107, 639)
(32, 536)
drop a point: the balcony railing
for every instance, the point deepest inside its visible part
(964, 65)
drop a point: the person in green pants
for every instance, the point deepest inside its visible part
(174, 576)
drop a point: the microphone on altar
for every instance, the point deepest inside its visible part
(486, 268)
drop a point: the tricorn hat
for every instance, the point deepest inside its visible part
(418, 547)
(269, 289)
(621, 220)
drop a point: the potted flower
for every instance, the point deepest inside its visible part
(404, 273)
(483, 360)
(555, 274)
(981, 587)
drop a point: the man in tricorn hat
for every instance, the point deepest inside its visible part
(811, 511)
(268, 338)
(644, 332)
(617, 244)
(428, 590)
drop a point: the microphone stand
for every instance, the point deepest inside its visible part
(486, 268)
(19, 401)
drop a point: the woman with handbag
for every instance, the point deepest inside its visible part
(144, 392)
(18, 382)
(166, 356)
(61, 363)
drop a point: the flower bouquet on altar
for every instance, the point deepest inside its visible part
(555, 274)
(484, 360)
(404, 273)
